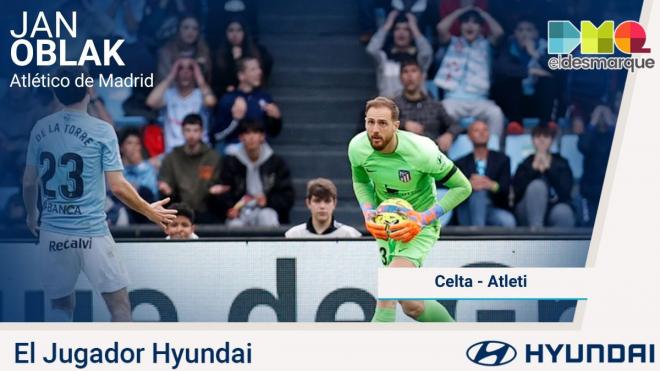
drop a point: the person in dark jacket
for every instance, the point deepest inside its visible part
(247, 101)
(523, 85)
(595, 144)
(258, 190)
(490, 176)
(421, 114)
(188, 172)
(237, 43)
(542, 185)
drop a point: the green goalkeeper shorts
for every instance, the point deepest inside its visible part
(415, 250)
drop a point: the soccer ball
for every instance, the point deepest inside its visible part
(386, 214)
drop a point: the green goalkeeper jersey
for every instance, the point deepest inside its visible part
(410, 173)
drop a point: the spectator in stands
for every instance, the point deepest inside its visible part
(426, 12)
(219, 13)
(190, 94)
(258, 182)
(247, 101)
(587, 89)
(183, 227)
(464, 73)
(542, 185)
(138, 171)
(237, 44)
(91, 23)
(124, 15)
(188, 172)
(523, 85)
(160, 22)
(420, 113)
(446, 7)
(321, 201)
(490, 175)
(120, 19)
(407, 43)
(187, 43)
(595, 144)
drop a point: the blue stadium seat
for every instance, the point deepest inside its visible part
(568, 148)
(462, 146)
(518, 147)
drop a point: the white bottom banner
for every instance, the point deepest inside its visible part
(286, 281)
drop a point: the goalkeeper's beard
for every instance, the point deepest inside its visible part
(383, 142)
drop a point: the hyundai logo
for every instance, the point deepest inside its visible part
(491, 353)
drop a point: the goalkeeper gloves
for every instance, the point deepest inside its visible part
(377, 230)
(408, 229)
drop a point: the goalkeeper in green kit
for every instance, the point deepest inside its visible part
(388, 163)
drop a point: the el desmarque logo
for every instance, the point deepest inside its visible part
(597, 44)
(563, 37)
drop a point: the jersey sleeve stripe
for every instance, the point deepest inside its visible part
(449, 174)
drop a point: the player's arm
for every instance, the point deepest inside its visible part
(364, 189)
(459, 189)
(362, 185)
(443, 170)
(364, 192)
(120, 187)
(125, 192)
(156, 99)
(30, 196)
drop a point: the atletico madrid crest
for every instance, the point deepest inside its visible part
(404, 176)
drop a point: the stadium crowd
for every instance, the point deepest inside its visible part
(470, 75)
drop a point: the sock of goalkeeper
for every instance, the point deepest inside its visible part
(434, 312)
(384, 315)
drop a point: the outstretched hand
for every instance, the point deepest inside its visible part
(160, 215)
